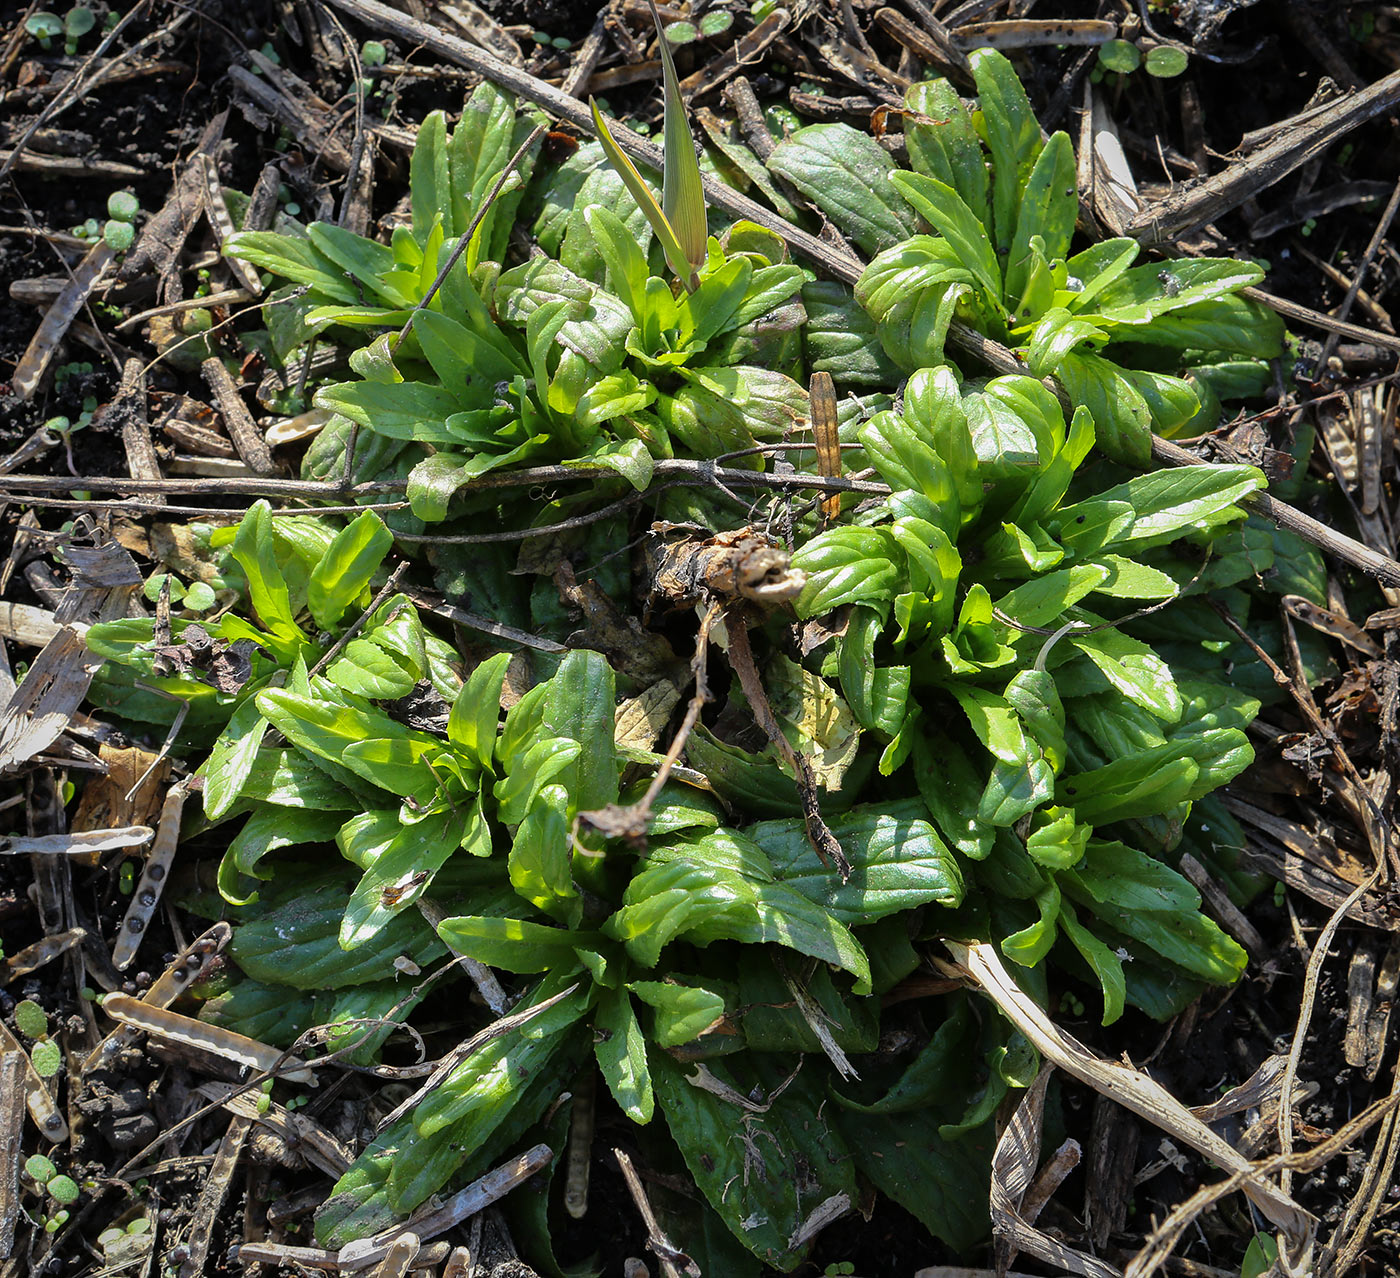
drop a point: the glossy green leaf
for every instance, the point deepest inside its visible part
(846, 174)
(848, 565)
(1049, 206)
(231, 760)
(682, 1012)
(253, 547)
(945, 144)
(476, 713)
(722, 887)
(897, 861)
(621, 1049)
(943, 209)
(539, 855)
(1013, 138)
(344, 573)
(399, 875)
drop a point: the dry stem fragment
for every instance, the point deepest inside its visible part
(152, 883)
(188, 1032)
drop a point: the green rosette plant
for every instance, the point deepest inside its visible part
(1009, 686)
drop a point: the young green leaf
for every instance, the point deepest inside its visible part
(676, 256)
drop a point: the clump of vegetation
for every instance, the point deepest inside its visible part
(1008, 699)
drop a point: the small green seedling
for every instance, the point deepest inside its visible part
(373, 54)
(62, 1189)
(716, 23)
(119, 231)
(47, 1058)
(78, 23)
(682, 32)
(44, 27)
(1166, 62)
(1122, 57)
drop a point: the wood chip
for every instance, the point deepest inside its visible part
(25, 624)
(39, 708)
(238, 421)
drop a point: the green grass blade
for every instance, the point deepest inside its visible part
(682, 194)
(646, 201)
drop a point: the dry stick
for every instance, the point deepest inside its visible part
(1204, 201)
(680, 470)
(381, 595)
(1366, 1202)
(665, 1251)
(238, 421)
(632, 822)
(580, 1152)
(12, 1065)
(818, 832)
(1164, 1238)
(846, 267)
(1308, 707)
(1295, 1051)
(1372, 248)
(212, 1196)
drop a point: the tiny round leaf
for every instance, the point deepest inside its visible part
(1166, 62)
(30, 1019)
(1120, 56)
(716, 23)
(64, 1189)
(47, 1059)
(123, 206)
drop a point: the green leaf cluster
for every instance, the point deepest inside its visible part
(1000, 206)
(1010, 741)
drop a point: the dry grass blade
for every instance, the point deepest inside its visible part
(476, 1197)
(1013, 1169)
(1130, 1088)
